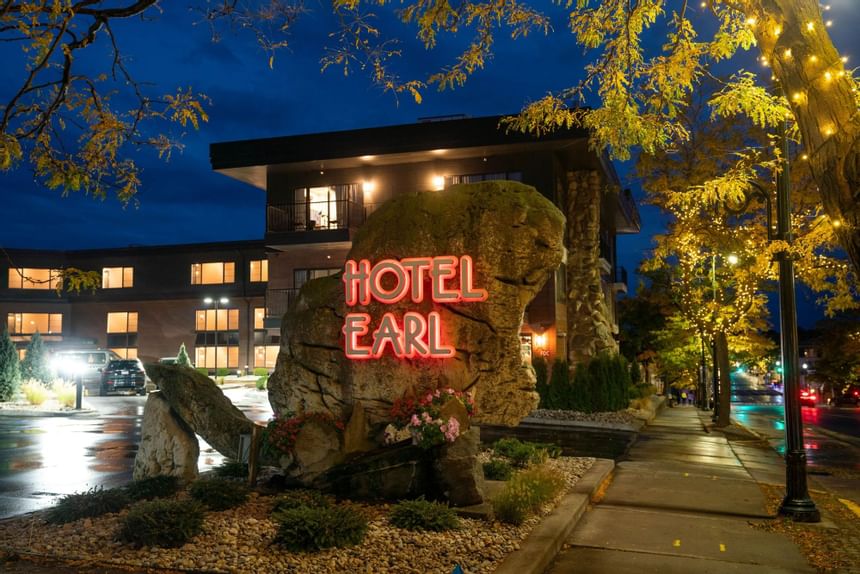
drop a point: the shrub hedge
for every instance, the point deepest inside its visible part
(423, 514)
(88, 504)
(164, 523)
(601, 384)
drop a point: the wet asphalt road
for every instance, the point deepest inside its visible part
(42, 458)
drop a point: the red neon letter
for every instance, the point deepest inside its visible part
(443, 268)
(387, 333)
(354, 327)
(401, 286)
(414, 331)
(355, 278)
(416, 267)
(467, 288)
(434, 337)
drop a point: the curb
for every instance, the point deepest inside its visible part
(538, 551)
(42, 414)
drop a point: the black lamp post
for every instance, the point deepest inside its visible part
(797, 503)
(222, 301)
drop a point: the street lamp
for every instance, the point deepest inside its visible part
(797, 503)
(216, 302)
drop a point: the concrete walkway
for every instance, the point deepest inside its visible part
(682, 502)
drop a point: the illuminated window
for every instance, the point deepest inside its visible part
(122, 333)
(266, 356)
(260, 270)
(125, 352)
(217, 357)
(477, 177)
(122, 322)
(30, 278)
(259, 317)
(117, 277)
(21, 354)
(217, 320)
(29, 323)
(213, 273)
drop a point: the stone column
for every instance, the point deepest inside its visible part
(589, 324)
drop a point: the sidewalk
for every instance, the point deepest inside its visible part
(682, 502)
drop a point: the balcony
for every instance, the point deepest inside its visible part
(620, 284)
(314, 216)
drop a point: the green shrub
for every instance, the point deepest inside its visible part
(262, 382)
(261, 372)
(10, 369)
(521, 454)
(164, 523)
(526, 492)
(423, 515)
(311, 529)
(542, 385)
(299, 498)
(153, 487)
(497, 469)
(222, 372)
(202, 370)
(182, 358)
(232, 469)
(559, 391)
(35, 392)
(66, 393)
(93, 502)
(35, 363)
(219, 493)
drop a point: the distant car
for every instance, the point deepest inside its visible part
(167, 360)
(849, 396)
(87, 365)
(808, 398)
(123, 375)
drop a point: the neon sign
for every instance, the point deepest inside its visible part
(451, 280)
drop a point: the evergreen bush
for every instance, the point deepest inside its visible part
(219, 493)
(182, 358)
(423, 515)
(520, 453)
(497, 469)
(153, 487)
(261, 372)
(542, 385)
(559, 392)
(163, 523)
(306, 529)
(10, 370)
(202, 370)
(222, 372)
(35, 363)
(298, 498)
(262, 383)
(93, 502)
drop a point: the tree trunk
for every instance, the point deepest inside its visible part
(589, 323)
(724, 418)
(793, 38)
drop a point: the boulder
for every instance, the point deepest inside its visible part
(168, 446)
(198, 401)
(316, 450)
(458, 473)
(355, 436)
(514, 236)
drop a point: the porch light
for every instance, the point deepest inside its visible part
(437, 183)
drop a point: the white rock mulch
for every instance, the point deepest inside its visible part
(240, 541)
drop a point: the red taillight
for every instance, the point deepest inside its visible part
(857, 393)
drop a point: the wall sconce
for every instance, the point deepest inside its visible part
(540, 341)
(368, 187)
(437, 183)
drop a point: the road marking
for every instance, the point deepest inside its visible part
(677, 543)
(722, 547)
(852, 506)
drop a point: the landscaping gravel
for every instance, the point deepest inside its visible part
(617, 417)
(240, 541)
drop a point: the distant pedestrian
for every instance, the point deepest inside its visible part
(684, 397)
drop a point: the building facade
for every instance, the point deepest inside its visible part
(225, 301)
(211, 297)
(320, 188)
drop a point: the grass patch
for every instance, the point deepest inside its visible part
(526, 492)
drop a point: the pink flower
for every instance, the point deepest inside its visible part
(415, 421)
(453, 430)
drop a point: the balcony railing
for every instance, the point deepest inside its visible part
(314, 215)
(278, 301)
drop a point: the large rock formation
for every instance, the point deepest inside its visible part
(168, 446)
(198, 401)
(514, 236)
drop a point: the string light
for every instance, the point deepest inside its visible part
(829, 23)
(787, 54)
(751, 21)
(828, 130)
(810, 25)
(777, 31)
(813, 58)
(844, 59)
(804, 157)
(837, 223)
(828, 76)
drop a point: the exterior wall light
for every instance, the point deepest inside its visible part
(437, 183)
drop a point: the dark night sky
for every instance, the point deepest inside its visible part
(183, 201)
